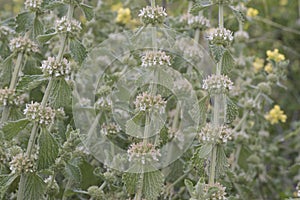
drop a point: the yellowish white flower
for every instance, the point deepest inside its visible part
(268, 68)
(258, 64)
(252, 12)
(275, 55)
(275, 115)
(124, 16)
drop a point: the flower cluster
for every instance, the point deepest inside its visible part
(33, 4)
(275, 55)
(20, 163)
(258, 64)
(51, 67)
(96, 192)
(214, 192)
(268, 68)
(143, 152)
(298, 190)
(275, 115)
(124, 16)
(151, 58)
(241, 36)
(220, 134)
(110, 129)
(22, 44)
(216, 84)
(220, 36)
(43, 115)
(152, 15)
(8, 97)
(252, 12)
(66, 25)
(103, 103)
(196, 22)
(145, 102)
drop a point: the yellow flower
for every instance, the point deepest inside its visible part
(269, 68)
(116, 7)
(275, 55)
(252, 12)
(258, 64)
(275, 115)
(124, 16)
(283, 2)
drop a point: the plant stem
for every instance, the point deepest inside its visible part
(13, 83)
(139, 193)
(152, 3)
(213, 164)
(221, 15)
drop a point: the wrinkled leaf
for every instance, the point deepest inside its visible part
(227, 62)
(217, 52)
(11, 129)
(38, 27)
(24, 21)
(152, 184)
(5, 181)
(34, 187)
(29, 82)
(88, 11)
(60, 95)
(78, 51)
(45, 38)
(232, 111)
(73, 172)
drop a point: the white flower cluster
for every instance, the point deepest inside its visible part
(196, 22)
(220, 134)
(143, 152)
(153, 15)
(33, 4)
(8, 97)
(43, 115)
(66, 25)
(104, 103)
(110, 128)
(217, 84)
(51, 67)
(298, 190)
(241, 36)
(151, 58)
(220, 36)
(22, 44)
(215, 191)
(20, 163)
(147, 102)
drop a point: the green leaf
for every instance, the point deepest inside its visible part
(78, 51)
(11, 129)
(217, 52)
(6, 71)
(5, 182)
(204, 150)
(232, 111)
(221, 161)
(50, 5)
(34, 186)
(38, 27)
(153, 184)
(24, 21)
(73, 172)
(200, 5)
(60, 95)
(88, 11)
(29, 82)
(238, 14)
(227, 62)
(48, 150)
(130, 181)
(45, 38)
(199, 111)
(189, 186)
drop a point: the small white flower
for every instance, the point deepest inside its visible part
(153, 15)
(217, 84)
(65, 25)
(8, 97)
(196, 22)
(33, 4)
(143, 153)
(217, 194)
(147, 102)
(22, 44)
(51, 67)
(20, 163)
(110, 128)
(220, 134)
(151, 58)
(220, 36)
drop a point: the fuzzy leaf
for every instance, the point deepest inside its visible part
(238, 14)
(45, 38)
(73, 172)
(88, 11)
(131, 181)
(5, 182)
(232, 111)
(217, 52)
(153, 184)
(189, 186)
(29, 82)
(38, 27)
(34, 187)
(204, 150)
(6, 70)
(199, 111)
(50, 5)
(24, 21)
(48, 150)
(200, 5)
(60, 95)
(78, 51)
(11, 129)
(221, 161)
(227, 62)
